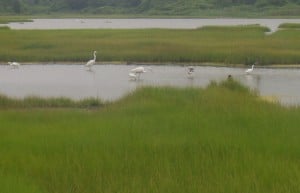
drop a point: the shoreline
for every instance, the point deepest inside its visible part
(204, 64)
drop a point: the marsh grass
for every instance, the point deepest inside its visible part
(9, 19)
(54, 102)
(223, 138)
(290, 25)
(234, 45)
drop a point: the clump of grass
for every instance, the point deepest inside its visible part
(240, 28)
(54, 102)
(230, 84)
(290, 25)
(9, 19)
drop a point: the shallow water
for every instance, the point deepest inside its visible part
(111, 82)
(78, 23)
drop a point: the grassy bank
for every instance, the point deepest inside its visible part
(219, 139)
(237, 45)
(290, 25)
(38, 102)
(8, 19)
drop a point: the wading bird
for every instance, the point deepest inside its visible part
(136, 72)
(250, 70)
(90, 63)
(14, 64)
(190, 70)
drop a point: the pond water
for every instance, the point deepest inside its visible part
(78, 23)
(111, 82)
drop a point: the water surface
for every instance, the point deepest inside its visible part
(78, 23)
(111, 82)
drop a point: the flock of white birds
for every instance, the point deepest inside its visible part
(134, 73)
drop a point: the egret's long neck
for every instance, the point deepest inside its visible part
(94, 56)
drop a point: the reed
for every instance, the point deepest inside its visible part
(223, 138)
(234, 45)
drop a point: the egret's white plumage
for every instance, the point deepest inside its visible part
(90, 63)
(14, 64)
(139, 69)
(136, 72)
(248, 71)
(132, 75)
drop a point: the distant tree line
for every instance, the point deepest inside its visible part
(126, 6)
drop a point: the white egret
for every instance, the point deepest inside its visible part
(90, 63)
(14, 64)
(136, 72)
(250, 70)
(132, 75)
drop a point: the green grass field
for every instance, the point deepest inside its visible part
(221, 139)
(229, 45)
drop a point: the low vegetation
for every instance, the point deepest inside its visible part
(38, 102)
(229, 45)
(219, 139)
(192, 8)
(290, 25)
(8, 19)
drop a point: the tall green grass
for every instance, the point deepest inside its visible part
(219, 139)
(290, 25)
(9, 19)
(236, 45)
(38, 102)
